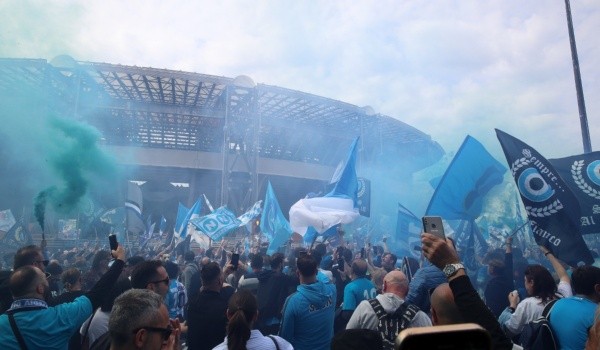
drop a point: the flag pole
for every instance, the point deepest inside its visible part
(585, 132)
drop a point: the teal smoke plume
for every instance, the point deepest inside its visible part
(76, 160)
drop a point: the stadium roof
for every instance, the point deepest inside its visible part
(160, 108)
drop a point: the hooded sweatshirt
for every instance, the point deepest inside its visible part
(308, 316)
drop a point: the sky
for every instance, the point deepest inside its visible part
(448, 68)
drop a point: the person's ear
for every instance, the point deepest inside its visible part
(140, 338)
(40, 289)
(434, 317)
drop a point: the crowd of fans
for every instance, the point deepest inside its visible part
(305, 298)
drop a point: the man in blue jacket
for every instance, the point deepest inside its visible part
(308, 314)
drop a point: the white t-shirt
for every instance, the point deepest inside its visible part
(258, 341)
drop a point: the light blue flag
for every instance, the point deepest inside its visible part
(272, 222)
(194, 212)
(182, 211)
(344, 177)
(216, 224)
(470, 176)
(251, 213)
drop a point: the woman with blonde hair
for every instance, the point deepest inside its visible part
(242, 312)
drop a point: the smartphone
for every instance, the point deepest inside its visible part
(457, 336)
(340, 263)
(235, 259)
(362, 253)
(434, 225)
(112, 239)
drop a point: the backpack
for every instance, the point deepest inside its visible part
(390, 325)
(537, 334)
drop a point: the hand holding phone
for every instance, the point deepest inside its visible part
(434, 225)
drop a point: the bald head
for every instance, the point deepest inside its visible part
(443, 308)
(28, 282)
(396, 282)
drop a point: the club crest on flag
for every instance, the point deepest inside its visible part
(538, 188)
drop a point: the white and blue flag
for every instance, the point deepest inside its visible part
(337, 207)
(250, 214)
(216, 224)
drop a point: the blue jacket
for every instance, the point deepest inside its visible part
(308, 316)
(418, 290)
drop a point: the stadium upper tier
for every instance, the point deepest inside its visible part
(160, 108)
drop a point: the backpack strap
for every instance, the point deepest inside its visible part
(548, 308)
(379, 310)
(15, 329)
(274, 341)
(407, 312)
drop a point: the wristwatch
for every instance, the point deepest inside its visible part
(451, 269)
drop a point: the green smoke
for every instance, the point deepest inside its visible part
(77, 160)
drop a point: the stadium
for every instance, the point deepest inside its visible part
(184, 134)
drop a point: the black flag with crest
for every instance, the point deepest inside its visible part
(582, 175)
(552, 209)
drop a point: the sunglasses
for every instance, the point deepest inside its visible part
(166, 332)
(166, 281)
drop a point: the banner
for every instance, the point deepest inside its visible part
(582, 174)
(552, 208)
(272, 222)
(133, 209)
(217, 224)
(364, 197)
(470, 176)
(67, 229)
(18, 236)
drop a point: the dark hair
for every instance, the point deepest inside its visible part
(241, 311)
(70, 277)
(584, 279)
(99, 257)
(318, 256)
(54, 268)
(26, 256)
(257, 261)
(172, 269)
(307, 265)
(144, 272)
(321, 248)
(276, 260)
(544, 286)
(392, 256)
(189, 256)
(347, 255)
(210, 272)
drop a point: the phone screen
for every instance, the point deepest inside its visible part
(340, 263)
(112, 239)
(235, 259)
(362, 253)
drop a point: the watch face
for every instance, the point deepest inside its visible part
(449, 269)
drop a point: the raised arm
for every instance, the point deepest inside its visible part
(557, 265)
